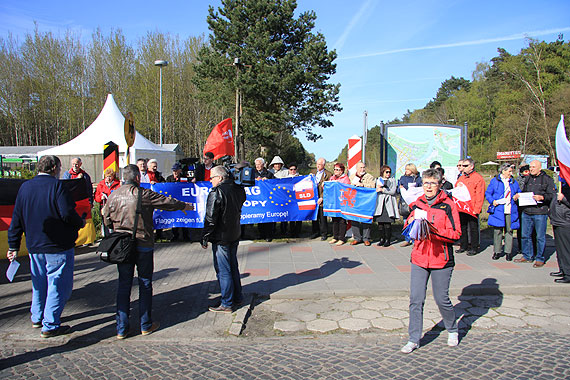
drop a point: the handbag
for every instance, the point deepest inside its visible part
(491, 209)
(404, 208)
(121, 247)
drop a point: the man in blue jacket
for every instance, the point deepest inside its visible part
(45, 212)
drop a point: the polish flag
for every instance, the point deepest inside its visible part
(563, 150)
(304, 193)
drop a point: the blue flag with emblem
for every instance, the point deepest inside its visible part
(349, 202)
(272, 200)
(195, 193)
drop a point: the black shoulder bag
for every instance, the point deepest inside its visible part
(121, 247)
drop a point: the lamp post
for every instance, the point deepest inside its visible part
(160, 63)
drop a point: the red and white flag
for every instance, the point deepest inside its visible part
(563, 150)
(221, 140)
(304, 193)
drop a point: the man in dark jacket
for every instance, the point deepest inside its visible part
(222, 228)
(560, 220)
(203, 170)
(119, 214)
(535, 217)
(45, 212)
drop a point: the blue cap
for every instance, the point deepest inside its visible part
(176, 166)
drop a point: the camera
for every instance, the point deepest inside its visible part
(241, 173)
(189, 167)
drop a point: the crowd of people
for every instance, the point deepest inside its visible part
(521, 204)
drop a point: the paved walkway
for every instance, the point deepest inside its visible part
(307, 273)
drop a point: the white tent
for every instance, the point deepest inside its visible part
(109, 126)
(489, 163)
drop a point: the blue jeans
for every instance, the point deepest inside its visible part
(145, 267)
(52, 283)
(440, 279)
(227, 271)
(530, 223)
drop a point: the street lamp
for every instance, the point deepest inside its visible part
(160, 63)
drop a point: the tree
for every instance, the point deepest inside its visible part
(285, 86)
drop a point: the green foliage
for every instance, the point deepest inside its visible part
(284, 83)
(51, 89)
(513, 103)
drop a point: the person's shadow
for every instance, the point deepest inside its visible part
(472, 306)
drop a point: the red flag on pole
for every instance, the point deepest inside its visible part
(221, 140)
(563, 150)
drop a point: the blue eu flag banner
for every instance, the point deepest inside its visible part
(279, 200)
(349, 202)
(195, 193)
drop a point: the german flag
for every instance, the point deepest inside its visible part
(78, 190)
(9, 191)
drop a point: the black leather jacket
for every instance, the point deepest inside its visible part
(223, 214)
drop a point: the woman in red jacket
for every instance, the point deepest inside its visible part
(103, 190)
(433, 257)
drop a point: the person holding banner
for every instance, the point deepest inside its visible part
(153, 174)
(119, 215)
(361, 179)
(222, 229)
(432, 256)
(203, 170)
(320, 226)
(386, 205)
(261, 173)
(503, 211)
(339, 223)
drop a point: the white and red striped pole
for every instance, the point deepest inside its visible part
(354, 152)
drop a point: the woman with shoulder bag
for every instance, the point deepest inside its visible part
(503, 212)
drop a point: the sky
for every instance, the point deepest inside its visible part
(392, 55)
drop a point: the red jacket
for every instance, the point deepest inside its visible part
(102, 188)
(437, 252)
(476, 185)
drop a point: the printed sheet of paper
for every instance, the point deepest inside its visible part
(12, 269)
(526, 199)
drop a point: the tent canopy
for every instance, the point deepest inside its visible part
(109, 126)
(489, 163)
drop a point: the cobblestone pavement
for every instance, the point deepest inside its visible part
(512, 355)
(349, 314)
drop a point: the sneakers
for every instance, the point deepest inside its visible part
(333, 241)
(538, 264)
(153, 328)
(220, 309)
(405, 244)
(61, 330)
(453, 339)
(37, 325)
(340, 242)
(409, 347)
(121, 336)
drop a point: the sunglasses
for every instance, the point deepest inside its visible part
(464, 165)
